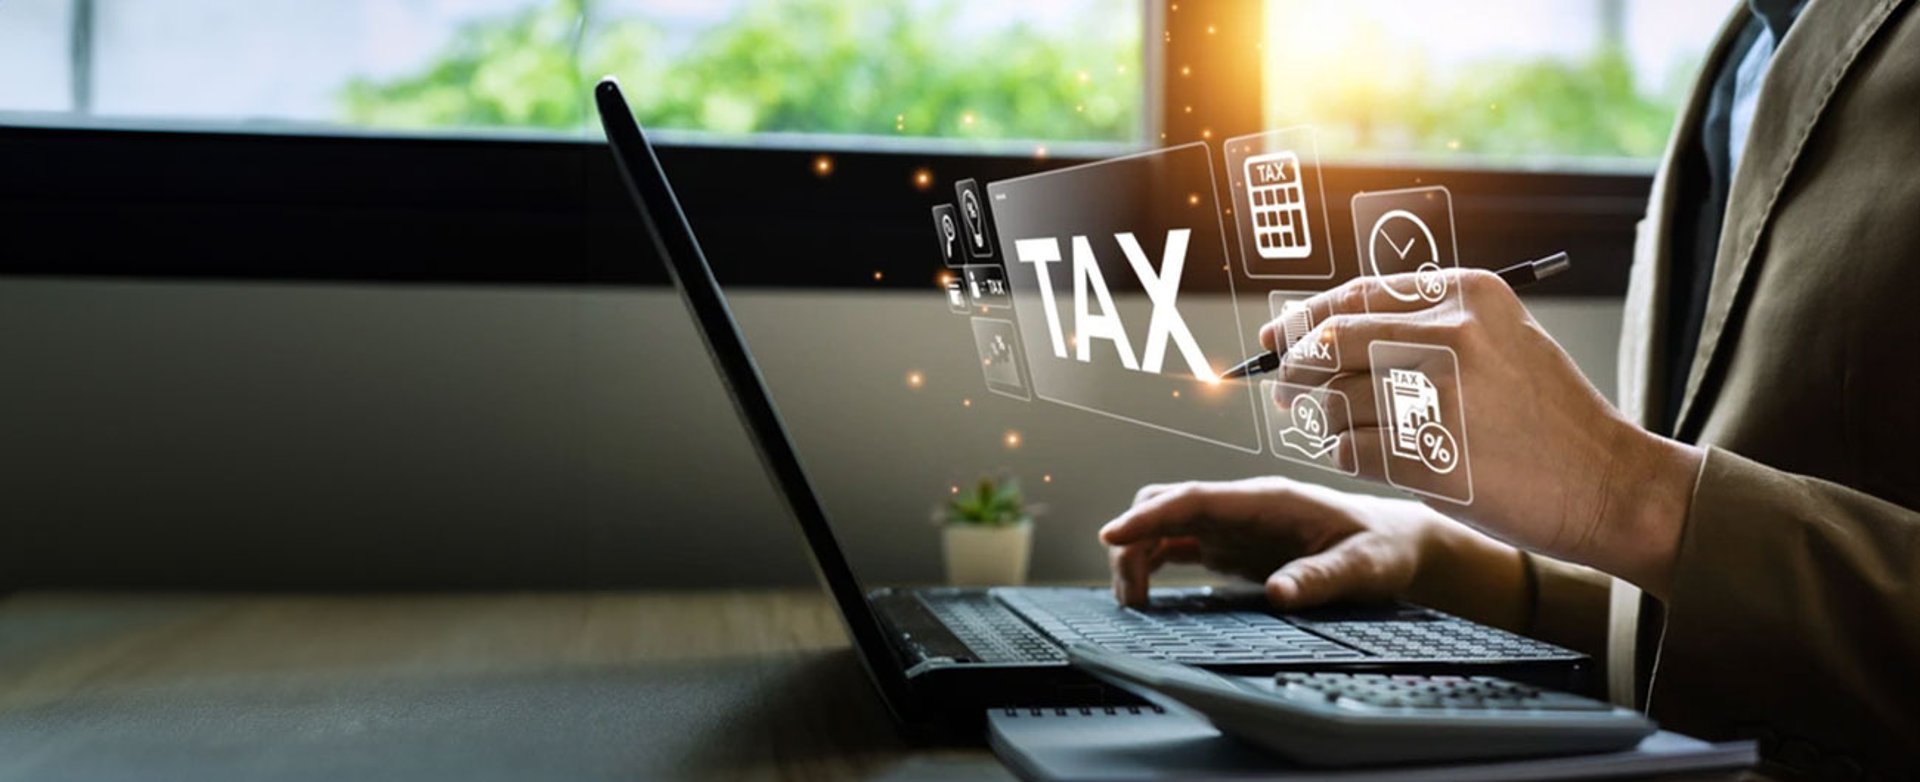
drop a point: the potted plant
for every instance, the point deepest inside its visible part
(987, 533)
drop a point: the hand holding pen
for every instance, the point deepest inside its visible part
(1516, 276)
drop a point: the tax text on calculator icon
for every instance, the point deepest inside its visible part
(1278, 206)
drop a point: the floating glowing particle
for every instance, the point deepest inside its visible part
(1193, 199)
(1453, 143)
(1085, 77)
(1211, 30)
(1206, 132)
(1080, 107)
(966, 403)
(1186, 70)
(1189, 109)
(877, 276)
(915, 379)
(1012, 439)
(1040, 153)
(967, 119)
(953, 489)
(822, 165)
(1048, 478)
(923, 179)
(1176, 393)
(1174, 7)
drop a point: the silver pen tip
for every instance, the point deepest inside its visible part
(1551, 265)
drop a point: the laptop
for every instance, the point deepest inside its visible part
(941, 657)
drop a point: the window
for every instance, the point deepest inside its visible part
(1562, 83)
(981, 69)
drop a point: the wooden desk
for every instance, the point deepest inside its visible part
(709, 685)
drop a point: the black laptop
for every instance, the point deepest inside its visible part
(941, 657)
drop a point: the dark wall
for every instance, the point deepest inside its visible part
(242, 361)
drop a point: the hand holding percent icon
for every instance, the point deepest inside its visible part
(1308, 435)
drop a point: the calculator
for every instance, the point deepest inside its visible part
(1348, 719)
(1278, 205)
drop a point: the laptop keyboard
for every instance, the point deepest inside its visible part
(1195, 626)
(1179, 635)
(992, 632)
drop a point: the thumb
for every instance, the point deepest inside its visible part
(1338, 573)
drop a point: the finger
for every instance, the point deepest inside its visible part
(1134, 564)
(1354, 334)
(1151, 491)
(1130, 574)
(1192, 508)
(1178, 551)
(1346, 399)
(1359, 453)
(1346, 571)
(1287, 328)
(1406, 292)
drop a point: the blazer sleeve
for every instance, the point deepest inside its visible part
(1570, 604)
(1794, 618)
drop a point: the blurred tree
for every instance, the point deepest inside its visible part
(876, 67)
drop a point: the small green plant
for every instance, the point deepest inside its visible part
(993, 502)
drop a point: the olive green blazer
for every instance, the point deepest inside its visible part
(1795, 613)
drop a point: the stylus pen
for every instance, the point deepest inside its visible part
(1517, 276)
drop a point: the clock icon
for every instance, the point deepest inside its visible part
(1401, 242)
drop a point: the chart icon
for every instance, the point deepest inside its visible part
(1001, 362)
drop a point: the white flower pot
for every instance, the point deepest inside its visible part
(980, 555)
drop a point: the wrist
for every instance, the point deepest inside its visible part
(1466, 573)
(1649, 495)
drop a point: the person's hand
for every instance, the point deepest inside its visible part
(1312, 545)
(1554, 467)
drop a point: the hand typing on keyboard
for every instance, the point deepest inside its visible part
(1312, 545)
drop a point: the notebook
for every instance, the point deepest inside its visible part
(1142, 743)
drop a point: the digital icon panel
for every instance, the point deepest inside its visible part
(946, 233)
(957, 297)
(1423, 425)
(1407, 232)
(1279, 208)
(987, 286)
(1304, 349)
(1279, 204)
(1001, 362)
(976, 227)
(1104, 261)
(1304, 422)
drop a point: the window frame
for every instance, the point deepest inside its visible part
(104, 200)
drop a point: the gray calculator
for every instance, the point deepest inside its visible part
(1345, 719)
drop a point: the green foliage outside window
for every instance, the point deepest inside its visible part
(875, 67)
(908, 68)
(1590, 107)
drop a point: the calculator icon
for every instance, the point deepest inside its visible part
(1278, 206)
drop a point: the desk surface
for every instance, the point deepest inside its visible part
(480, 687)
(715, 685)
